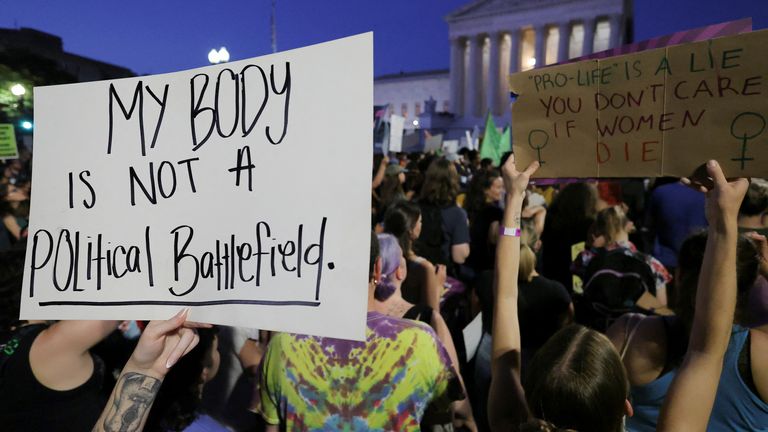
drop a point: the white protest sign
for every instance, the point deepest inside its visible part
(216, 188)
(473, 334)
(396, 126)
(469, 140)
(433, 143)
(451, 146)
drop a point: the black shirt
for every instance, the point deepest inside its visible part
(541, 304)
(27, 405)
(482, 253)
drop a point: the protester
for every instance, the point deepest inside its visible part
(177, 407)
(674, 212)
(652, 347)
(753, 217)
(424, 281)
(544, 308)
(13, 214)
(567, 223)
(390, 302)
(49, 380)
(391, 189)
(612, 252)
(444, 235)
(160, 347)
(482, 206)
(385, 382)
(577, 380)
(753, 213)
(228, 396)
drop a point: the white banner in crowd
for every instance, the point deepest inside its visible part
(396, 126)
(217, 188)
(451, 146)
(433, 143)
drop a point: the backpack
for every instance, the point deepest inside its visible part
(430, 243)
(614, 281)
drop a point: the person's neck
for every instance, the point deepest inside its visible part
(622, 237)
(751, 222)
(384, 306)
(372, 302)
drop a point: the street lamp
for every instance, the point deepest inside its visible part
(18, 90)
(220, 56)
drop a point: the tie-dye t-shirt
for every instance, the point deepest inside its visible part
(385, 383)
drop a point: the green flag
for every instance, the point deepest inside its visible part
(490, 146)
(505, 142)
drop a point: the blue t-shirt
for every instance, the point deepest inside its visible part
(736, 407)
(455, 228)
(676, 211)
(205, 423)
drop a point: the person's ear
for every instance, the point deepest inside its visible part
(377, 270)
(628, 408)
(400, 273)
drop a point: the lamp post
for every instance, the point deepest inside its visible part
(220, 56)
(19, 91)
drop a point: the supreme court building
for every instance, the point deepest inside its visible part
(489, 39)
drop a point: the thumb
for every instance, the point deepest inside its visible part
(532, 168)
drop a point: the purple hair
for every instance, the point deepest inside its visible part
(390, 254)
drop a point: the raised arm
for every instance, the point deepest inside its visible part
(691, 396)
(381, 170)
(59, 356)
(161, 345)
(506, 403)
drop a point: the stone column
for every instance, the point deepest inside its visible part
(589, 36)
(492, 95)
(474, 78)
(564, 41)
(514, 51)
(617, 30)
(540, 32)
(457, 76)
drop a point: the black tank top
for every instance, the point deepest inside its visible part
(27, 405)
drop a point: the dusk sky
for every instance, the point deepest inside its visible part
(161, 36)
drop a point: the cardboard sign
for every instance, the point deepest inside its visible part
(396, 127)
(652, 113)
(217, 188)
(8, 147)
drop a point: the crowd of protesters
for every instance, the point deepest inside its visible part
(610, 305)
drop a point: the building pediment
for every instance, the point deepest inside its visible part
(484, 8)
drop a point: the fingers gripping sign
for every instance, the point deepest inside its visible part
(161, 345)
(723, 197)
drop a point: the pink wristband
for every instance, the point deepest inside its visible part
(511, 232)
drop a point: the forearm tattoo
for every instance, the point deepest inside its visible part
(134, 394)
(517, 219)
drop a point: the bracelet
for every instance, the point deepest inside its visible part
(510, 232)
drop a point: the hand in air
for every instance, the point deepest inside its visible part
(515, 182)
(163, 343)
(723, 197)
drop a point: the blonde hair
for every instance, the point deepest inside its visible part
(609, 223)
(527, 263)
(528, 239)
